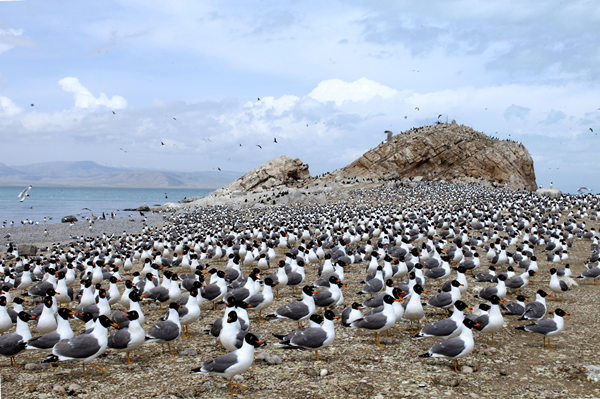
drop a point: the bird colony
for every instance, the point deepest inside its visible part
(392, 291)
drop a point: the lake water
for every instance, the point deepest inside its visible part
(56, 202)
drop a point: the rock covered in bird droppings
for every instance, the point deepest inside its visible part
(58, 390)
(262, 355)
(324, 372)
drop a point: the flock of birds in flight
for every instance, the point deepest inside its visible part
(396, 243)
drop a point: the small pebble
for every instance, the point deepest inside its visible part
(324, 372)
(466, 370)
(74, 388)
(58, 390)
(191, 351)
(386, 341)
(238, 378)
(32, 366)
(31, 388)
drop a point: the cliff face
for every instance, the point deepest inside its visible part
(448, 152)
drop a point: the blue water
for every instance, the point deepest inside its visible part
(56, 202)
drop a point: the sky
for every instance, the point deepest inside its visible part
(188, 85)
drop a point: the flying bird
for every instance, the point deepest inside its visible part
(591, 130)
(258, 99)
(114, 113)
(240, 145)
(174, 118)
(417, 108)
(219, 169)
(24, 194)
(259, 146)
(123, 150)
(580, 190)
(162, 143)
(275, 140)
(32, 105)
(439, 116)
(405, 117)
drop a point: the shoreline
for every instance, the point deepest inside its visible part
(63, 232)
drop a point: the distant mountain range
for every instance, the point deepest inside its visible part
(91, 174)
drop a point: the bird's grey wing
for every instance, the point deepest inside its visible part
(165, 330)
(119, 319)
(516, 309)
(563, 285)
(294, 310)
(376, 301)
(487, 292)
(158, 293)
(372, 322)
(221, 363)
(442, 328)
(542, 327)
(323, 298)
(440, 300)
(294, 278)
(374, 285)
(183, 300)
(255, 299)
(514, 282)
(78, 347)
(483, 320)
(11, 344)
(120, 339)
(211, 291)
(378, 309)
(436, 272)
(309, 338)
(534, 310)
(449, 348)
(45, 341)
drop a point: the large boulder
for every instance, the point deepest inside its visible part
(548, 192)
(450, 152)
(278, 171)
(27, 250)
(69, 219)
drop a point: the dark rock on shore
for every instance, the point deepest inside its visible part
(28, 249)
(69, 219)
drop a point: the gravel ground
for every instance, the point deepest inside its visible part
(517, 367)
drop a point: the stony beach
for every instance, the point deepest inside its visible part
(517, 366)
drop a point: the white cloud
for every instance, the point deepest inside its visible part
(338, 91)
(8, 108)
(85, 99)
(10, 38)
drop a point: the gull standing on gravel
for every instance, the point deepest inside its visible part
(455, 347)
(547, 327)
(232, 363)
(314, 338)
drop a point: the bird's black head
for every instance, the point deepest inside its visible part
(194, 292)
(113, 280)
(174, 305)
(2, 301)
(502, 277)
(50, 292)
(129, 284)
(66, 313)
(495, 300)
(460, 305)
(26, 316)
(132, 315)
(531, 273)
(552, 271)
(221, 274)
(19, 301)
(468, 323)
(253, 340)
(48, 301)
(485, 307)
(87, 316)
(329, 315)
(308, 290)
(232, 317)
(105, 322)
(356, 305)
(561, 313)
(418, 289)
(389, 282)
(315, 318)
(102, 293)
(134, 296)
(388, 299)
(521, 298)
(455, 283)
(542, 293)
